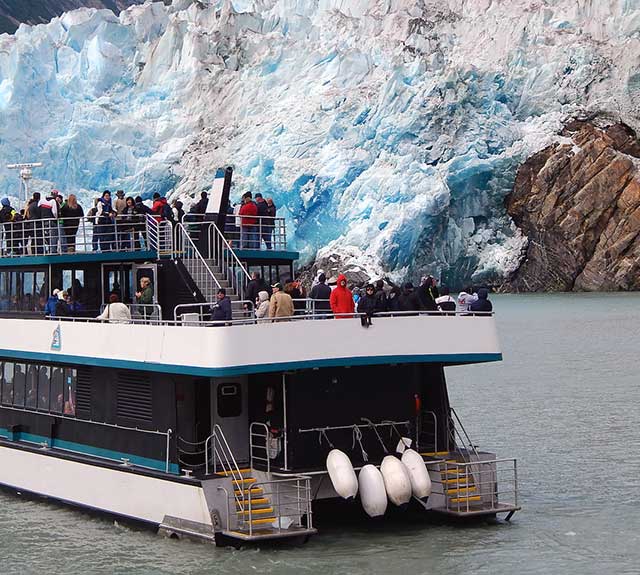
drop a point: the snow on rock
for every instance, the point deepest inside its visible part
(391, 127)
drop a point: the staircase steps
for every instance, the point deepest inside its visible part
(465, 499)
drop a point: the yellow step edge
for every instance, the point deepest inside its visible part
(256, 511)
(461, 489)
(252, 491)
(465, 499)
(458, 480)
(452, 461)
(234, 471)
(262, 521)
(456, 471)
(247, 480)
(435, 453)
(256, 501)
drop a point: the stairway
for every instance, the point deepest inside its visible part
(260, 512)
(458, 485)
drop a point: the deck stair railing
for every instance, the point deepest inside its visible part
(259, 436)
(196, 265)
(227, 262)
(159, 236)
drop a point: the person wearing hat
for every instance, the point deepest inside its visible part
(281, 304)
(50, 306)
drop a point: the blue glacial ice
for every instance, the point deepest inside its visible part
(388, 131)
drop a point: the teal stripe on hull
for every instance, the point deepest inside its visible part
(451, 359)
(90, 450)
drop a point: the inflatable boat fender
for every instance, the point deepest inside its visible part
(396, 480)
(373, 495)
(418, 473)
(342, 475)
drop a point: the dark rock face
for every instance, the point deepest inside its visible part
(579, 205)
(14, 12)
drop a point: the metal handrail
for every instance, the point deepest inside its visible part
(195, 263)
(252, 446)
(435, 428)
(464, 431)
(204, 306)
(228, 262)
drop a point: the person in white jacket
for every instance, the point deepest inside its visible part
(262, 309)
(116, 311)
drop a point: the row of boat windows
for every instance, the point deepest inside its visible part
(44, 388)
(23, 291)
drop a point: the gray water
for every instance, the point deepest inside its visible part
(565, 402)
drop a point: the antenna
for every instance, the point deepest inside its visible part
(25, 175)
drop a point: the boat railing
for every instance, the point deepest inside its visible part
(264, 233)
(227, 261)
(87, 234)
(425, 437)
(290, 500)
(259, 436)
(480, 484)
(194, 322)
(244, 309)
(125, 461)
(458, 431)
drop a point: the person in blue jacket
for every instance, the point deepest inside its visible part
(50, 306)
(221, 310)
(482, 303)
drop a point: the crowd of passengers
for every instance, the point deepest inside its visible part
(50, 224)
(341, 301)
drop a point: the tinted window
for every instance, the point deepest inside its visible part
(31, 398)
(57, 389)
(19, 376)
(7, 384)
(43, 388)
(70, 392)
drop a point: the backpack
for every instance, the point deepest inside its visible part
(167, 212)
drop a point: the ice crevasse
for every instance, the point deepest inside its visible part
(386, 130)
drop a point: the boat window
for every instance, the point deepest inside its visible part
(23, 290)
(229, 400)
(57, 389)
(7, 383)
(19, 374)
(70, 391)
(31, 396)
(43, 388)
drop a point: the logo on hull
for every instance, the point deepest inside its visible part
(56, 339)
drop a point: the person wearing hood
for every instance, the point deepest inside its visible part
(105, 217)
(50, 306)
(341, 300)
(482, 304)
(409, 300)
(7, 216)
(161, 209)
(262, 309)
(428, 293)
(367, 304)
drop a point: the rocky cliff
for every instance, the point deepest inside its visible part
(14, 12)
(578, 202)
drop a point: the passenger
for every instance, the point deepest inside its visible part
(142, 210)
(409, 300)
(465, 298)
(254, 287)
(428, 293)
(264, 232)
(367, 304)
(33, 227)
(161, 209)
(320, 294)
(316, 280)
(50, 306)
(49, 216)
(262, 309)
(221, 310)
(105, 218)
(445, 301)
(296, 291)
(71, 212)
(129, 225)
(281, 304)
(62, 305)
(92, 219)
(393, 301)
(482, 304)
(120, 203)
(201, 206)
(178, 211)
(115, 311)
(380, 297)
(7, 217)
(248, 221)
(341, 299)
(144, 297)
(270, 225)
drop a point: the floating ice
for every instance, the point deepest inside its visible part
(393, 128)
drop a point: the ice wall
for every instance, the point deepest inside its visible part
(393, 127)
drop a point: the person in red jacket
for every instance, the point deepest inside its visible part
(341, 299)
(248, 228)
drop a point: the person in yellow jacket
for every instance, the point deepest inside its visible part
(281, 304)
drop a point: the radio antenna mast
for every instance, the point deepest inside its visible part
(26, 174)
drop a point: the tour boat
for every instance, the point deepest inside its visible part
(225, 431)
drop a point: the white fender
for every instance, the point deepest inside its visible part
(342, 475)
(396, 480)
(418, 473)
(373, 495)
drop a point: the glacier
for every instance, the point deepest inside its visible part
(387, 131)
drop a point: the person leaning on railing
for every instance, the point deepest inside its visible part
(281, 304)
(115, 311)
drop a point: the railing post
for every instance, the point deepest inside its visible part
(169, 432)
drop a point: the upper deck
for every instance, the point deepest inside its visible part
(245, 347)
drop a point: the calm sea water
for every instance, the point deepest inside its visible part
(565, 402)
